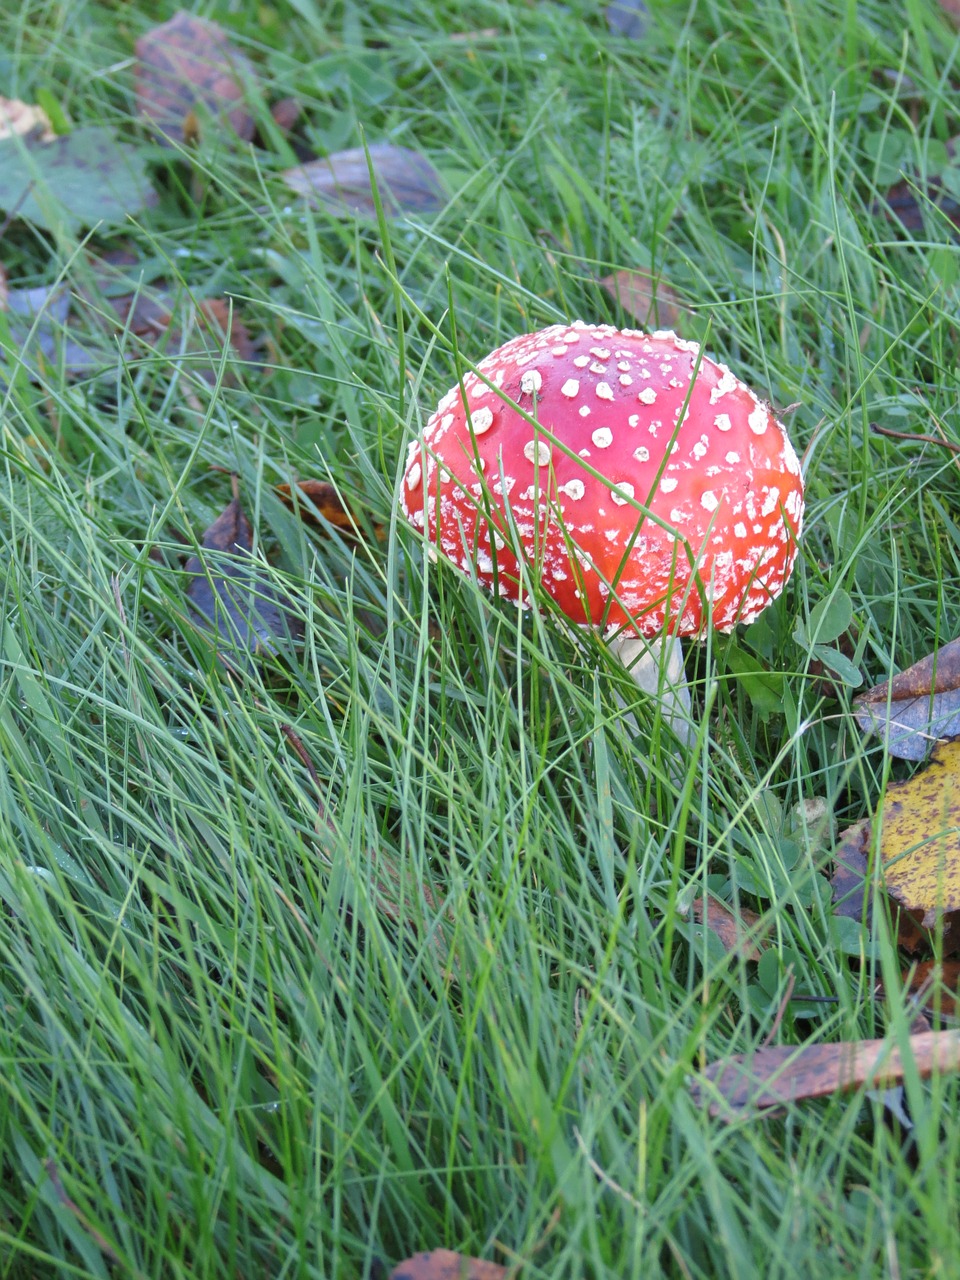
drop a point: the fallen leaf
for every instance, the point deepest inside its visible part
(230, 593)
(952, 10)
(919, 847)
(917, 706)
(444, 1264)
(853, 895)
(20, 119)
(319, 503)
(647, 298)
(79, 180)
(739, 933)
(39, 337)
(776, 1076)
(935, 983)
(629, 18)
(407, 181)
(187, 69)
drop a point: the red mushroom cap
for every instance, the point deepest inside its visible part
(626, 512)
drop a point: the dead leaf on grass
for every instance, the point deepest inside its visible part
(81, 179)
(40, 339)
(407, 182)
(186, 70)
(919, 850)
(231, 594)
(444, 1264)
(647, 298)
(740, 933)
(629, 18)
(781, 1074)
(319, 503)
(21, 119)
(917, 706)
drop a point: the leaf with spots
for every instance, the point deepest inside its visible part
(231, 595)
(444, 1264)
(919, 851)
(781, 1074)
(187, 72)
(84, 179)
(406, 181)
(917, 706)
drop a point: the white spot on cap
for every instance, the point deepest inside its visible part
(633, 419)
(642, 454)
(482, 420)
(699, 449)
(758, 419)
(624, 488)
(584, 411)
(722, 422)
(726, 384)
(668, 484)
(570, 337)
(732, 457)
(530, 381)
(581, 362)
(602, 437)
(739, 529)
(709, 500)
(647, 396)
(602, 353)
(625, 380)
(570, 388)
(573, 489)
(537, 451)
(413, 476)
(604, 391)
(771, 501)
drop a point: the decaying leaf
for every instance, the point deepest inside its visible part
(38, 335)
(919, 849)
(319, 503)
(187, 70)
(647, 298)
(231, 594)
(629, 18)
(952, 9)
(20, 119)
(776, 1076)
(444, 1264)
(81, 179)
(935, 984)
(740, 933)
(407, 182)
(916, 707)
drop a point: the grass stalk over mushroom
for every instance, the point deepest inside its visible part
(441, 988)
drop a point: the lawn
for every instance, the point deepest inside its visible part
(376, 937)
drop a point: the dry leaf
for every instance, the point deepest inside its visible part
(739, 933)
(917, 706)
(782, 1074)
(231, 595)
(407, 181)
(319, 503)
(39, 336)
(188, 69)
(919, 849)
(629, 18)
(952, 9)
(936, 983)
(444, 1264)
(20, 119)
(646, 298)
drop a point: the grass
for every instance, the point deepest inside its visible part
(461, 1008)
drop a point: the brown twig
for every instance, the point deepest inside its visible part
(915, 437)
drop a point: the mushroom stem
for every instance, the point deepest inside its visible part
(657, 667)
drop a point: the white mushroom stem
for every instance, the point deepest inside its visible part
(657, 667)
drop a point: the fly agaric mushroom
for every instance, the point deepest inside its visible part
(647, 488)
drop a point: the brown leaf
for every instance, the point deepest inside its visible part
(407, 182)
(739, 933)
(936, 983)
(952, 10)
(187, 69)
(647, 298)
(905, 201)
(230, 593)
(318, 502)
(782, 1074)
(444, 1264)
(286, 113)
(917, 706)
